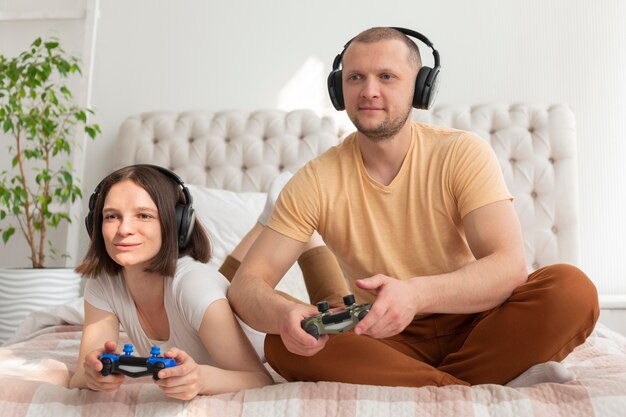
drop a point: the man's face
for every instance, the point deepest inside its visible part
(378, 83)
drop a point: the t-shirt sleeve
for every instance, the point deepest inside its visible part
(196, 289)
(296, 213)
(476, 176)
(95, 294)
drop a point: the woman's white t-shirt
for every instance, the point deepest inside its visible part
(186, 297)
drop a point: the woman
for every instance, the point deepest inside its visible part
(147, 260)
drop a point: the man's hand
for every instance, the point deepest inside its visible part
(296, 340)
(393, 310)
(92, 365)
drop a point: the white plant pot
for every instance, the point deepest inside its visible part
(24, 290)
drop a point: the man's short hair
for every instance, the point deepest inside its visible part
(378, 34)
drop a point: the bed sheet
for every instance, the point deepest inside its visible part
(35, 368)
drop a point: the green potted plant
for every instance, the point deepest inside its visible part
(39, 124)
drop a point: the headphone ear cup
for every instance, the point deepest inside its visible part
(426, 85)
(433, 87)
(185, 219)
(421, 89)
(91, 207)
(190, 215)
(335, 89)
(180, 212)
(89, 223)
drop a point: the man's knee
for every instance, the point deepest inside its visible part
(567, 289)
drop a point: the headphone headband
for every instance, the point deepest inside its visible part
(424, 40)
(408, 32)
(174, 176)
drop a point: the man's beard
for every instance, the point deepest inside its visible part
(386, 129)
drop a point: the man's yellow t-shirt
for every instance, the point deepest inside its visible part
(411, 227)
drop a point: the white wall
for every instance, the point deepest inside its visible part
(156, 55)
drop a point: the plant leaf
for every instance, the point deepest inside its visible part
(6, 235)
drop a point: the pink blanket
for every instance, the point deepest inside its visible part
(35, 371)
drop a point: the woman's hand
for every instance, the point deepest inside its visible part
(92, 367)
(183, 381)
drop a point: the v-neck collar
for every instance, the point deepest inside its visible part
(401, 172)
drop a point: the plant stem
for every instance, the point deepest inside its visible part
(29, 225)
(42, 232)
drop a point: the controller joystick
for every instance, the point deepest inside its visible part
(128, 350)
(322, 306)
(348, 300)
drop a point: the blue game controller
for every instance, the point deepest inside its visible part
(133, 366)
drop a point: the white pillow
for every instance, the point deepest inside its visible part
(227, 217)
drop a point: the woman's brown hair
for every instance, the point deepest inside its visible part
(166, 194)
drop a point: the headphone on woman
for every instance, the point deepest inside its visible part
(185, 213)
(426, 83)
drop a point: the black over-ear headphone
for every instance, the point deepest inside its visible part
(426, 83)
(185, 213)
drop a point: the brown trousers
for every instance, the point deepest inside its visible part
(543, 320)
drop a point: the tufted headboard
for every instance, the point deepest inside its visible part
(244, 151)
(232, 150)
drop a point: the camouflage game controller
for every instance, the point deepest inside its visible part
(133, 366)
(329, 322)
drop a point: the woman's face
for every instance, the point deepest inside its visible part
(130, 225)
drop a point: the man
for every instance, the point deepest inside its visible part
(423, 226)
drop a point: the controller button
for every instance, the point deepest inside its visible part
(322, 306)
(348, 300)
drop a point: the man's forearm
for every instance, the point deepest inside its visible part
(478, 286)
(256, 303)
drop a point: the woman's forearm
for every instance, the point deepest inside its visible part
(217, 381)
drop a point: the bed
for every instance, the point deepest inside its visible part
(228, 159)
